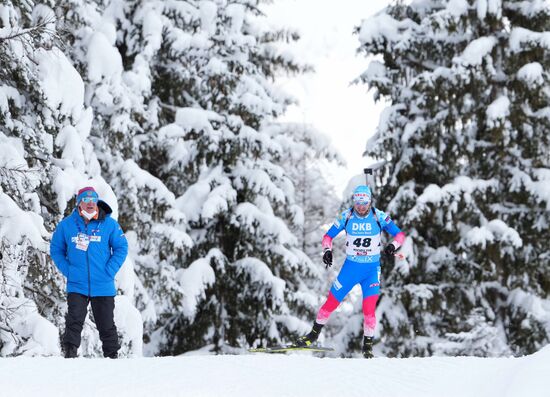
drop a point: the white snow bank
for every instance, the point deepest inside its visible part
(276, 375)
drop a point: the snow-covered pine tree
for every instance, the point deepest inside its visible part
(244, 280)
(307, 158)
(465, 172)
(47, 158)
(40, 118)
(113, 44)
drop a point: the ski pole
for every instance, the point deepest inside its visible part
(367, 172)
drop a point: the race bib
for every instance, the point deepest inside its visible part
(363, 246)
(82, 242)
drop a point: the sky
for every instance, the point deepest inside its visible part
(346, 113)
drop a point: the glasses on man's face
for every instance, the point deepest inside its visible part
(89, 200)
(362, 205)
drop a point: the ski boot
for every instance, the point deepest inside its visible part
(367, 347)
(71, 351)
(309, 339)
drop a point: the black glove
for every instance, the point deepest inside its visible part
(327, 258)
(389, 250)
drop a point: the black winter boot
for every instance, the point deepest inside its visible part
(71, 351)
(367, 347)
(309, 339)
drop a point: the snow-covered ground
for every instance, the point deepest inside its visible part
(261, 375)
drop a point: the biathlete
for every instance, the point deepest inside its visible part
(363, 225)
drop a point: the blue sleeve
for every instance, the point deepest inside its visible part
(338, 225)
(392, 228)
(119, 247)
(58, 250)
(387, 223)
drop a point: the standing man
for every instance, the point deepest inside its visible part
(89, 247)
(363, 225)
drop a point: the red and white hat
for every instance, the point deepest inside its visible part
(87, 191)
(362, 195)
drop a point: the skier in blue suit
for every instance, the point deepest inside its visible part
(363, 225)
(89, 247)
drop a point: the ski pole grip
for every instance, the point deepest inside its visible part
(367, 172)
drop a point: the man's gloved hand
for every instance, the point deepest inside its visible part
(327, 258)
(389, 250)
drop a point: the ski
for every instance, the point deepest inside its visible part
(290, 348)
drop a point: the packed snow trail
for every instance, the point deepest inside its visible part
(264, 375)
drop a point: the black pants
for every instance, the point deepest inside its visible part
(103, 309)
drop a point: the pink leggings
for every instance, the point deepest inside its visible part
(369, 307)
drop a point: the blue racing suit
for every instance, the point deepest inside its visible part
(363, 247)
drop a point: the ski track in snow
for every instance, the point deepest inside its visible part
(267, 375)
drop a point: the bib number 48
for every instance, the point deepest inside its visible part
(362, 242)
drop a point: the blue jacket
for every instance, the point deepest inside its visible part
(90, 272)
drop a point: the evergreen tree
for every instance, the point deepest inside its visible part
(245, 278)
(114, 63)
(166, 108)
(307, 157)
(48, 157)
(37, 137)
(464, 150)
